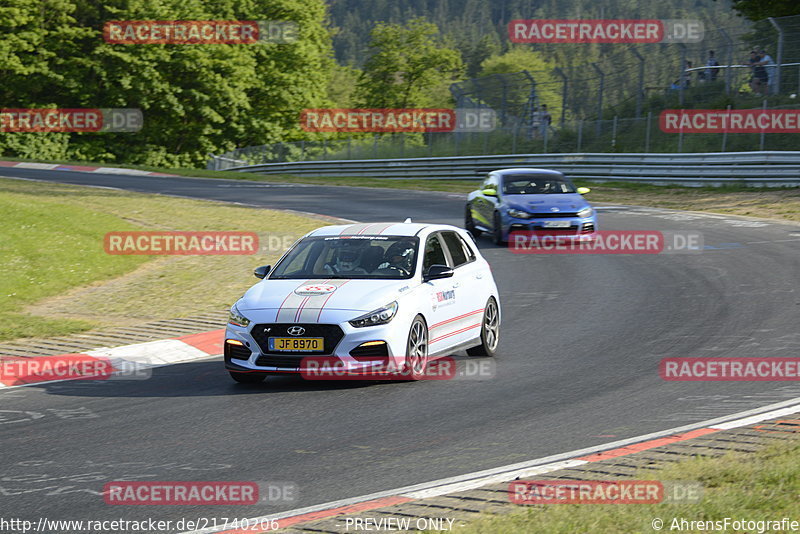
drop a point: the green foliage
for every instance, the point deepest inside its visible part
(761, 9)
(407, 61)
(517, 59)
(196, 99)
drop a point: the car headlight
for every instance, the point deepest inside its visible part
(236, 317)
(380, 316)
(519, 214)
(585, 212)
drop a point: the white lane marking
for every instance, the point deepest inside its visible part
(755, 419)
(41, 166)
(159, 352)
(472, 484)
(541, 465)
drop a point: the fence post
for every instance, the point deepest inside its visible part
(564, 92)
(580, 135)
(614, 134)
(640, 91)
(682, 79)
(725, 133)
(374, 146)
(728, 71)
(647, 131)
(600, 97)
(349, 151)
(779, 59)
(761, 140)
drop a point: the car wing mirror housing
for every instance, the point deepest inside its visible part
(262, 272)
(489, 192)
(435, 272)
(583, 190)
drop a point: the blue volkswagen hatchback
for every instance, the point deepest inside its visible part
(538, 200)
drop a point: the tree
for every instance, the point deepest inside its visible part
(406, 63)
(196, 99)
(518, 59)
(761, 9)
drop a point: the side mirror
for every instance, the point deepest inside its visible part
(437, 271)
(489, 192)
(262, 271)
(583, 190)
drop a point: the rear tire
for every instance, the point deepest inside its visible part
(490, 331)
(248, 378)
(469, 224)
(497, 231)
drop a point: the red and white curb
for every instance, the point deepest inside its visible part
(512, 472)
(138, 356)
(77, 168)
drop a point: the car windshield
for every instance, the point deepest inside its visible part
(536, 184)
(357, 257)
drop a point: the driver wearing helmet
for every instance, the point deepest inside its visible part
(399, 256)
(348, 259)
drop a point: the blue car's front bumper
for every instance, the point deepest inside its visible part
(578, 229)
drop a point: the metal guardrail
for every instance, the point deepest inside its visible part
(771, 169)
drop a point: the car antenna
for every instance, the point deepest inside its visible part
(408, 220)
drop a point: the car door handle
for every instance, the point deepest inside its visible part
(479, 276)
(456, 284)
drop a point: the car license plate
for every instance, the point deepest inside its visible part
(296, 344)
(557, 224)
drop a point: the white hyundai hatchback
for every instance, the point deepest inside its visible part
(401, 293)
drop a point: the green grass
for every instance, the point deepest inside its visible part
(57, 278)
(50, 246)
(759, 486)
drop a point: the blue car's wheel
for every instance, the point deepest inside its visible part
(497, 230)
(469, 224)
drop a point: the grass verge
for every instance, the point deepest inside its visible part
(759, 486)
(59, 280)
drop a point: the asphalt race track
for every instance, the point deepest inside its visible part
(577, 366)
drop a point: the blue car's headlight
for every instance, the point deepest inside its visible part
(236, 318)
(585, 212)
(519, 214)
(375, 317)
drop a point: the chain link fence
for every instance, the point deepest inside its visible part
(608, 106)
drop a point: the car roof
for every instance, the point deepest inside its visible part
(380, 228)
(521, 170)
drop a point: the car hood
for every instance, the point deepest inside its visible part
(569, 202)
(356, 295)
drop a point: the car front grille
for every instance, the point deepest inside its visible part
(551, 215)
(331, 333)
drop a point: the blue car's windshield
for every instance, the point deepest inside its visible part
(535, 184)
(348, 256)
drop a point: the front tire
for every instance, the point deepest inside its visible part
(416, 350)
(490, 331)
(497, 231)
(469, 224)
(248, 378)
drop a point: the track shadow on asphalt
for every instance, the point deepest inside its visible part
(200, 379)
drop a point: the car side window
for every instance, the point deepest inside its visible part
(434, 253)
(456, 247)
